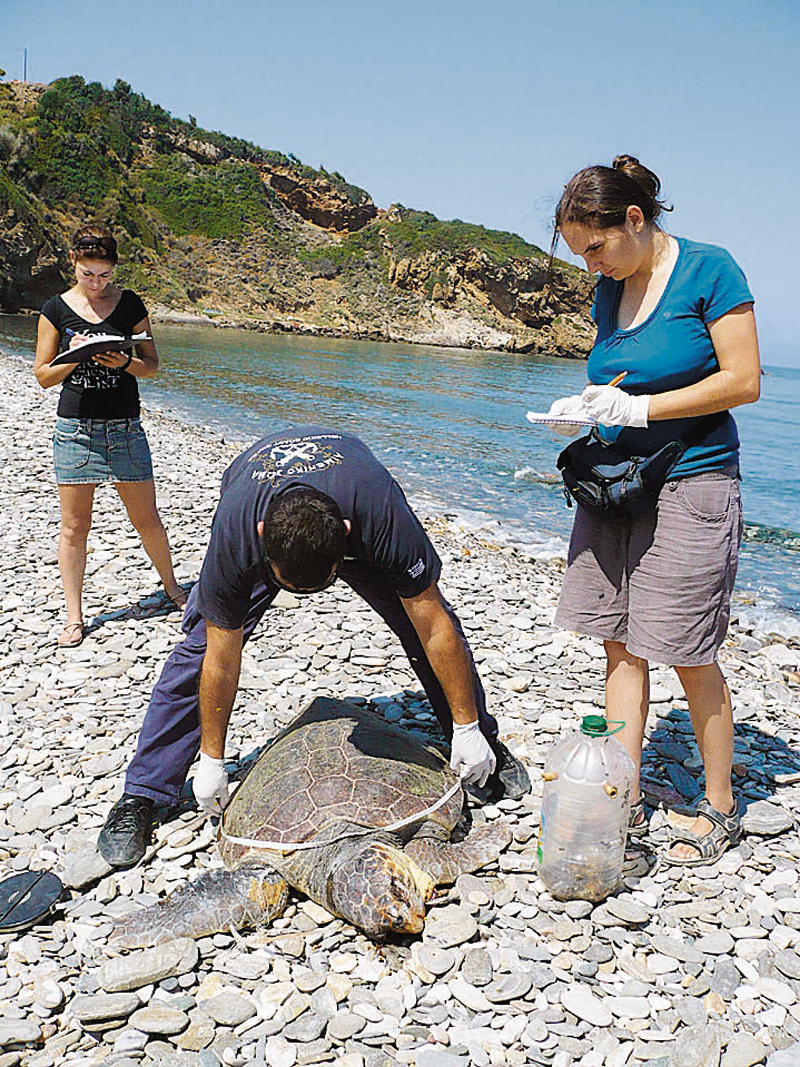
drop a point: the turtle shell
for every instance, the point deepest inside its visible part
(337, 762)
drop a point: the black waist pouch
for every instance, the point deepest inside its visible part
(604, 479)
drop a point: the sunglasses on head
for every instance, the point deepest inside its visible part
(90, 243)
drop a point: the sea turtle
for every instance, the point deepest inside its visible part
(365, 799)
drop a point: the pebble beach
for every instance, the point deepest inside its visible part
(681, 967)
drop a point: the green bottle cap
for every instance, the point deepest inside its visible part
(594, 725)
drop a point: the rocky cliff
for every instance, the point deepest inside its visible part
(216, 228)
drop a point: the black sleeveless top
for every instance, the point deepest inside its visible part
(91, 391)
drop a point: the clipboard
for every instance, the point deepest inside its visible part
(98, 342)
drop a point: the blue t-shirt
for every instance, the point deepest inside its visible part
(386, 540)
(671, 349)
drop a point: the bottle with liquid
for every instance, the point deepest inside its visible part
(586, 803)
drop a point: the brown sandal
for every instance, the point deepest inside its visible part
(72, 635)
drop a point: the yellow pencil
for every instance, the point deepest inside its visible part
(618, 378)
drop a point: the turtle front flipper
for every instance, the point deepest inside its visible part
(446, 860)
(213, 903)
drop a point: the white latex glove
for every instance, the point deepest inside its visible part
(211, 785)
(613, 407)
(568, 405)
(470, 754)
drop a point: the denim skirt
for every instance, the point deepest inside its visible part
(89, 451)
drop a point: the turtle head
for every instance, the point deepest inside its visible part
(380, 889)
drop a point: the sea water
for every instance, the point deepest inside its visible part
(450, 424)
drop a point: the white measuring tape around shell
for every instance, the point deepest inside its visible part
(297, 846)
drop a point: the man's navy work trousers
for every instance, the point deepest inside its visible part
(170, 736)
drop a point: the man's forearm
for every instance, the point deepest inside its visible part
(446, 650)
(448, 656)
(219, 682)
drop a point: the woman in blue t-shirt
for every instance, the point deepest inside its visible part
(677, 318)
(98, 435)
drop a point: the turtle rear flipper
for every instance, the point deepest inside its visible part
(213, 903)
(446, 860)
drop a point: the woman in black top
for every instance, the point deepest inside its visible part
(98, 435)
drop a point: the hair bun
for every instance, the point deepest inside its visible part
(625, 163)
(642, 175)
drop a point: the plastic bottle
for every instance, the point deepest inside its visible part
(585, 809)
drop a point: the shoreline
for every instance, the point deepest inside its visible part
(467, 333)
(677, 960)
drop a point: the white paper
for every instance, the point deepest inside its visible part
(546, 419)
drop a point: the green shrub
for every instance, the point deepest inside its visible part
(415, 232)
(224, 200)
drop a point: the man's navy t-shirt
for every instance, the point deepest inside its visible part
(386, 540)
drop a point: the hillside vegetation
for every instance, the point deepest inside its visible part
(216, 227)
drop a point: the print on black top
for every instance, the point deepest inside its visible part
(91, 391)
(386, 538)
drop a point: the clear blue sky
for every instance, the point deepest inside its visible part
(481, 111)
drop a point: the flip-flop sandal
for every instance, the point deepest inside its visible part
(725, 832)
(72, 635)
(27, 898)
(638, 824)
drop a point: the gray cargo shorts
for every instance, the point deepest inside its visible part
(660, 584)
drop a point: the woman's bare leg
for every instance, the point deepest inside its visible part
(628, 700)
(76, 521)
(139, 499)
(712, 718)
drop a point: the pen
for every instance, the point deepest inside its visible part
(618, 378)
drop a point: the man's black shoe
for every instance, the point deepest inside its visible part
(127, 831)
(510, 780)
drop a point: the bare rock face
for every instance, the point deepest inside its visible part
(517, 289)
(328, 204)
(33, 266)
(199, 151)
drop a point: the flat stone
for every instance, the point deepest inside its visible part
(725, 978)
(715, 943)
(677, 950)
(433, 1057)
(149, 965)
(786, 1057)
(449, 926)
(788, 962)
(583, 1003)
(468, 995)
(229, 1009)
(158, 1019)
(629, 911)
(690, 1011)
(775, 990)
(629, 1007)
(198, 1034)
(505, 987)
(766, 819)
(19, 1031)
(98, 1007)
(696, 1046)
(313, 1053)
(345, 1025)
(308, 1027)
(743, 1050)
(477, 967)
(279, 1052)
